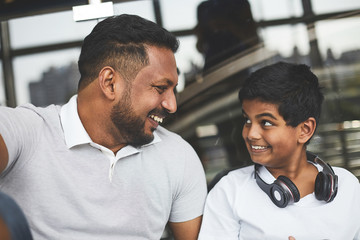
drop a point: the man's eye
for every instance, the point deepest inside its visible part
(160, 89)
(246, 120)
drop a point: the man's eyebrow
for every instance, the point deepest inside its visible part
(163, 81)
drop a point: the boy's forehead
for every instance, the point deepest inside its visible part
(259, 103)
(258, 106)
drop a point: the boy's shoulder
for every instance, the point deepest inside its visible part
(242, 172)
(238, 177)
(345, 175)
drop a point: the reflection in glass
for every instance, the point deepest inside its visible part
(189, 61)
(38, 67)
(340, 35)
(224, 28)
(143, 8)
(329, 6)
(47, 29)
(2, 88)
(217, 44)
(179, 15)
(287, 40)
(275, 9)
(331, 49)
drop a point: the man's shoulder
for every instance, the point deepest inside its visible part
(168, 135)
(51, 109)
(30, 113)
(173, 143)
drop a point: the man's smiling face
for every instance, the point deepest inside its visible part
(149, 98)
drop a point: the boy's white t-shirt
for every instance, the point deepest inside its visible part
(236, 208)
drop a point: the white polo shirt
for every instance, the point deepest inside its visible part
(60, 178)
(75, 134)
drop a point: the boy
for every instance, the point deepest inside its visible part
(289, 191)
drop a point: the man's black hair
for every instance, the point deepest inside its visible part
(120, 42)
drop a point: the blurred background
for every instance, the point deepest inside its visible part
(221, 42)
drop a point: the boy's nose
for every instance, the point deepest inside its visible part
(252, 133)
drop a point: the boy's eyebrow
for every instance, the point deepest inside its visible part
(266, 115)
(261, 115)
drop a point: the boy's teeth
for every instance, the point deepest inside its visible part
(258, 147)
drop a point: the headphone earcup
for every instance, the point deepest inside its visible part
(291, 186)
(281, 192)
(323, 186)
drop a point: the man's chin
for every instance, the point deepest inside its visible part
(140, 141)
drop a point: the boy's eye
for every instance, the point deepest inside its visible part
(267, 123)
(246, 120)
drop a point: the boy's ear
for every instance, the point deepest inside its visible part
(106, 80)
(307, 129)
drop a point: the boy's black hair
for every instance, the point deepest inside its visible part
(293, 87)
(120, 42)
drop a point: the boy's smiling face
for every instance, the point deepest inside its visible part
(269, 140)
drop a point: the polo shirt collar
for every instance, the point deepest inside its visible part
(75, 133)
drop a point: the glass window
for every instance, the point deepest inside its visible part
(143, 8)
(188, 59)
(213, 67)
(2, 88)
(60, 27)
(275, 9)
(286, 39)
(179, 15)
(339, 35)
(329, 6)
(47, 29)
(338, 137)
(210, 116)
(56, 71)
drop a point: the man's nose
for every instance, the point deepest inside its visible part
(169, 102)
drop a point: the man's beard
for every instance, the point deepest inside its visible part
(130, 126)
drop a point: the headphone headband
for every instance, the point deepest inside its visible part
(317, 160)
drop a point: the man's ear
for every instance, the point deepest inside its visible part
(307, 129)
(106, 80)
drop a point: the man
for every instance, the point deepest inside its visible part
(101, 167)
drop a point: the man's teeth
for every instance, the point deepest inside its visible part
(258, 147)
(156, 118)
